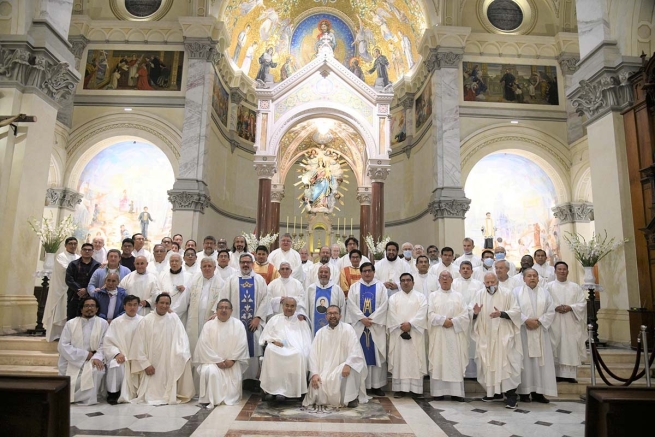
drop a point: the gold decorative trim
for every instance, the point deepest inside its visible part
(530, 15)
(119, 10)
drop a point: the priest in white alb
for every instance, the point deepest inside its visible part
(320, 295)
(224, 267)
(389, 268)
(449, 319)
(285, 366)
(249, 295)
(286, 253)
(54, 314)
(175, 282)
(541, 265)
(286, 286)
(221, 357)
(80, 353)
(323, 260)
(421, 276)
(337, 367)
(200, 300)
(367, 313)
(143, 284)
(121, 382)
(467, 286)
(569, 329)
(160, 356)
(407, 326)
(505, 281)
(497, 335)
(537, 314)
(445, 265)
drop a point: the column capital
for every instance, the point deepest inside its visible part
(449, 202)
(574, 212)
(265, 166)
(202, 48)
(407, 100)
(443, 58)
(62, 198)
(27, 67)
(237, 96)
(568, 62)
(364, 195)
(378, 170)
(189, 195)
(277, 193)
(78, 44)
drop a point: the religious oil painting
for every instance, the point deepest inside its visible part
(275, 38)
(423, 109)
(523, 221)
(124, 186)
(246, 123)
(510, 83)
(137, 70)
(220, 100)
(398, 127)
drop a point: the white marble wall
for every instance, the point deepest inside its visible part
(593, 24)
(57, 13)
(445, 127)
(197, 116)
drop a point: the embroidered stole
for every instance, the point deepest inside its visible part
(367, 295)
(321, 302)
(247, 309)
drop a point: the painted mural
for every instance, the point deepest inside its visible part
(121, 191)
(137, 70)
(220, 100)
(423, 109)
(280, 36)
(398, 127)
(509, 83)
(246, 123)
(520, 206)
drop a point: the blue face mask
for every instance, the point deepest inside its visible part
(488, 262)
(407, 253)
(500, 255)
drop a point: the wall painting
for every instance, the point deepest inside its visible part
(423, 109)
(246, 123)
(220, 100)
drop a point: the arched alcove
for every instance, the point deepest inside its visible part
(519, 195)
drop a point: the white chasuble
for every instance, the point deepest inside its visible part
(220, 341)
(144, 286)
(568, 331)
(287, 287)
(54, 314)
(118, 340)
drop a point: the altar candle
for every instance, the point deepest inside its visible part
(351, 225)
(338, 222)
(287, 224)
(294, 224)
(301, 223)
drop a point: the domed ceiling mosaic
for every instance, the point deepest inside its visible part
(292, 29)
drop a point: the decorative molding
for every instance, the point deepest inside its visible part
(277, 193)
(568, 63)
(188, 200)
(78, 44)
(407, 100)
(62, 198)
(437, 59)
(265, 170)
(379, 172)
(449, 202)
(608, 90)
(364, 195)
(573, 212)
(202, 48)
(21, 65)
(237, 96)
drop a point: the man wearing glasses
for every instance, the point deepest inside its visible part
(78, 275)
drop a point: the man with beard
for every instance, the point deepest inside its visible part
(389, 269)
(324, 288)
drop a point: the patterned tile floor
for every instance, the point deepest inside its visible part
(384, 417)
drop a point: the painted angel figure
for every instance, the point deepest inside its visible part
(379, 18)
(364, 39)
(246, 6)
(270, 23)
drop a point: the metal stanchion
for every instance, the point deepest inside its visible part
(590, 331)
(644, 342)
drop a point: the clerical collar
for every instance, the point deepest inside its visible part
(423, 274)
(368, 283)
(261, 264)
(468, 254)
(175, 272)
(144, 272)
(446, 291)
(246, 275)
(189, 266)
(324, 286)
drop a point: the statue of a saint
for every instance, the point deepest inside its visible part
(321, 181)
(488, 231)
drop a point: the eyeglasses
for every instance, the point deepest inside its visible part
(89, 306)
(367, 271)
(87, 249)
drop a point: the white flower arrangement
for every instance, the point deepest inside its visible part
(592, 251)
(253, 241)
(298, 243)
(51, 235)
(377, 250)
(342, 247)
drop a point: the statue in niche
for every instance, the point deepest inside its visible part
(321, 179)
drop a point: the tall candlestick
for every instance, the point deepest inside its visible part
(300, 222)
(351, 225)
(338, 222)
(294, 224)
(287, 224)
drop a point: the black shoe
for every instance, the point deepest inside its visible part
(267, 397)
(538, 397)
(525, 398)
(560, 379)
(511, 403)
(571, 380)
(378, 392)
(398, 394)
(438, 398)
(112, 398)
(280, 398)
(353, 403)
(457, 399)
(495, 398)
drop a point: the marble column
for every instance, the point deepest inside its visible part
(364, 196)
(37, 90)
(277, 194)
(574, 217)
(190, 194)
(593, 24)
(265, 171)
(574, 128)
(448, 204)
(378, 172)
